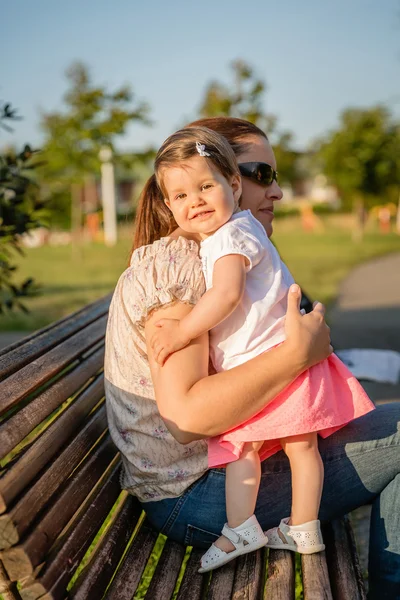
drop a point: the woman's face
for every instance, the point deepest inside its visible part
(256, 197)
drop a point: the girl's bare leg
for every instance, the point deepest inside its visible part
(241, 489)
(307, 476)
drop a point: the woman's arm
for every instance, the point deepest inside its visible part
(229, 278)
(195, 405)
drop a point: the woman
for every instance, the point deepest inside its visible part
(165, 459)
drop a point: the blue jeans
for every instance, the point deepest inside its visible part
(362, 466)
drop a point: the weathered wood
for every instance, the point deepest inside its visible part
(316, 585)
(128, 576)
(66, 556)
(343, 576)
(17, 427)
(248, 580)
(193, 583)
(24, 351)
(49, 443)
(354, 557)
(221, 584)
(163, 582)
(8, 589)
(93, 580)
(19, 385)
(35, 499)
(280, 584)
(21, 560)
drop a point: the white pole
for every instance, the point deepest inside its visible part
(108, 197)
(398, 217)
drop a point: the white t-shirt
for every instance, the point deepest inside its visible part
(257, 323)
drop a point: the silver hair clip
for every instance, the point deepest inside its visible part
(201, 149)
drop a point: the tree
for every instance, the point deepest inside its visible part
(20, 211)
(245, 99)
(93, 117)
(362, 157)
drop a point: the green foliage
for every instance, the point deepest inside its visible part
(93, 117)
(20, 211)
(362, 157)
(244, 99)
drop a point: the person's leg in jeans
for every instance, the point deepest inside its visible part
(362, 465)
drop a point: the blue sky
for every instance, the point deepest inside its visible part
(317, 57)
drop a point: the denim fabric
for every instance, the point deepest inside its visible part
(362, 465)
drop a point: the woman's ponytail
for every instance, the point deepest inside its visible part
(153, 218)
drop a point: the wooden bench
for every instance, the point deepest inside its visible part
(60, 495)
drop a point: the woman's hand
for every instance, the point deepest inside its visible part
(308, 334)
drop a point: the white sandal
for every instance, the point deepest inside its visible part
(305, 538)
(247, 537)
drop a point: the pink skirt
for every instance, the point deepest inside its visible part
(323, 399)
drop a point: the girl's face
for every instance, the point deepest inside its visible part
(255, 196)
(199, 196)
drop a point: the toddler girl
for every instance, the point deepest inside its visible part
(244, 309)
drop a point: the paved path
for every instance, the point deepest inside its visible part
(367, 315)
(10, 337)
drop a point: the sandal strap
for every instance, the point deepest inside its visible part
(233, 536)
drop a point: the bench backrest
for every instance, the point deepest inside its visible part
(59, 467)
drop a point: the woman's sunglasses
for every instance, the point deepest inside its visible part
(260, 172)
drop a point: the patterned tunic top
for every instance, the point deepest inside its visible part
(155, 465)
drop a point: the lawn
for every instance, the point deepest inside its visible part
(70, 278)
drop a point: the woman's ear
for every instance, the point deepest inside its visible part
(236, 185)
(167, 203)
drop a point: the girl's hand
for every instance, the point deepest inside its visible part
(168, 338)
(308, 334)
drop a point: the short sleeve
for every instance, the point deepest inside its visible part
(234, 238)
(167, 271)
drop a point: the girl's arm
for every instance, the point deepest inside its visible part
(195, 405)
(229, 277)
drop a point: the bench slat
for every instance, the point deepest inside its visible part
(166, 574)
(93, 580)
(280, 584)
(65, 557)
(21, 353)
(316, 583)
(17, 427)
(19, 385)
(8, 589)
(43, 449)
(130, 572)
(21, 560)
(15, 523)
(193, 582)
(248, 580)
(341, 559)
(221, 584)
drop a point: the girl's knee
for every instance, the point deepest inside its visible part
(296, 444)
(251, 447)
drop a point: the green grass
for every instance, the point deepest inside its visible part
(72, 278)
(320, 261)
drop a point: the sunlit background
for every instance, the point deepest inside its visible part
(322, 79)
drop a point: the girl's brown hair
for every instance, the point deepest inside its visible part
(223, 137)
